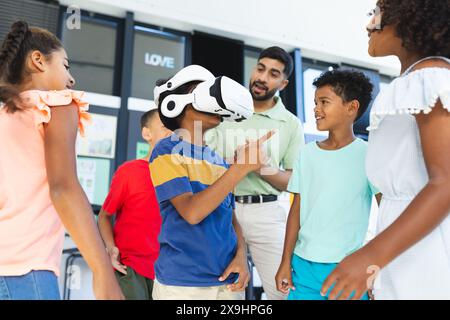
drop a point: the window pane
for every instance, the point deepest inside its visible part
(250, 61)
(83, 74)
(154, 57)
(92, 53)
(308, 95)
(93, 175)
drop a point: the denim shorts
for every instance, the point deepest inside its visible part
(35, 285)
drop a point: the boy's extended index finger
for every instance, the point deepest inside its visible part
(266, 137)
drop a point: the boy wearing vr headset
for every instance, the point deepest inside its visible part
(202, 254)
(261, 216)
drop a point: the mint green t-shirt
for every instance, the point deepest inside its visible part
(336, 199)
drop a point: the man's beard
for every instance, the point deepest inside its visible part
(269, 94)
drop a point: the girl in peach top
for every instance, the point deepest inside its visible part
(39, 189)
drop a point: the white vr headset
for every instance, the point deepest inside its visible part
(222, 96)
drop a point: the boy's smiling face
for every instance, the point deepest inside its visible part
(331, 112)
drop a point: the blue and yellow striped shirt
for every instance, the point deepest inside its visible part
(191, 255)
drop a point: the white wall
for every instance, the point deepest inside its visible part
(330, 30)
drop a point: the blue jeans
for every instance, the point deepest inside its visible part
(308, 278)
(35, 285)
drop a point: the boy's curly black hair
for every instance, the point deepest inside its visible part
(423, 25)
(349, 85)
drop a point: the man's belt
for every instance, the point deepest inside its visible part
(256, 199)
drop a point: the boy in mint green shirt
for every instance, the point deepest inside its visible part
(329, 217)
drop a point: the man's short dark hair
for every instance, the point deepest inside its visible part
(349, 85)
(281, 55)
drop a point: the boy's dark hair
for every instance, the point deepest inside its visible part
(147, 116)
(349, 85)
(173, 123)
(281, 55)
(423, 25)
(15, 47)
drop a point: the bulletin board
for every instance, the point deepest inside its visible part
(142, 149)
(94, 177)
(100, 137)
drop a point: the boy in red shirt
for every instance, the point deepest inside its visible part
(133, 243)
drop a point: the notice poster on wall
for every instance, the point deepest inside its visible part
(93, 175)
(142, 149)
(100, 137)
(86, 169)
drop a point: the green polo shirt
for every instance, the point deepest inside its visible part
(283, 148)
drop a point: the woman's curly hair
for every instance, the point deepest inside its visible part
(423, 25)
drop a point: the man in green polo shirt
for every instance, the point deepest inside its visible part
(262, 218)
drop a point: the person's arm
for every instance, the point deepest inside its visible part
(277, 178)
(113, 203)
(428, 209)
(196, 207)
(105, 226)
(283, 277)
(239, 264)
(71, 202)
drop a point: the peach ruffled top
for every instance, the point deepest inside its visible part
(31, 232)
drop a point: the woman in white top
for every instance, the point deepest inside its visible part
(408, 160)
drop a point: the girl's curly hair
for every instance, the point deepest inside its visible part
(423, 25)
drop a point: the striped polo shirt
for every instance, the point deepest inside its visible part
(191, 255)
